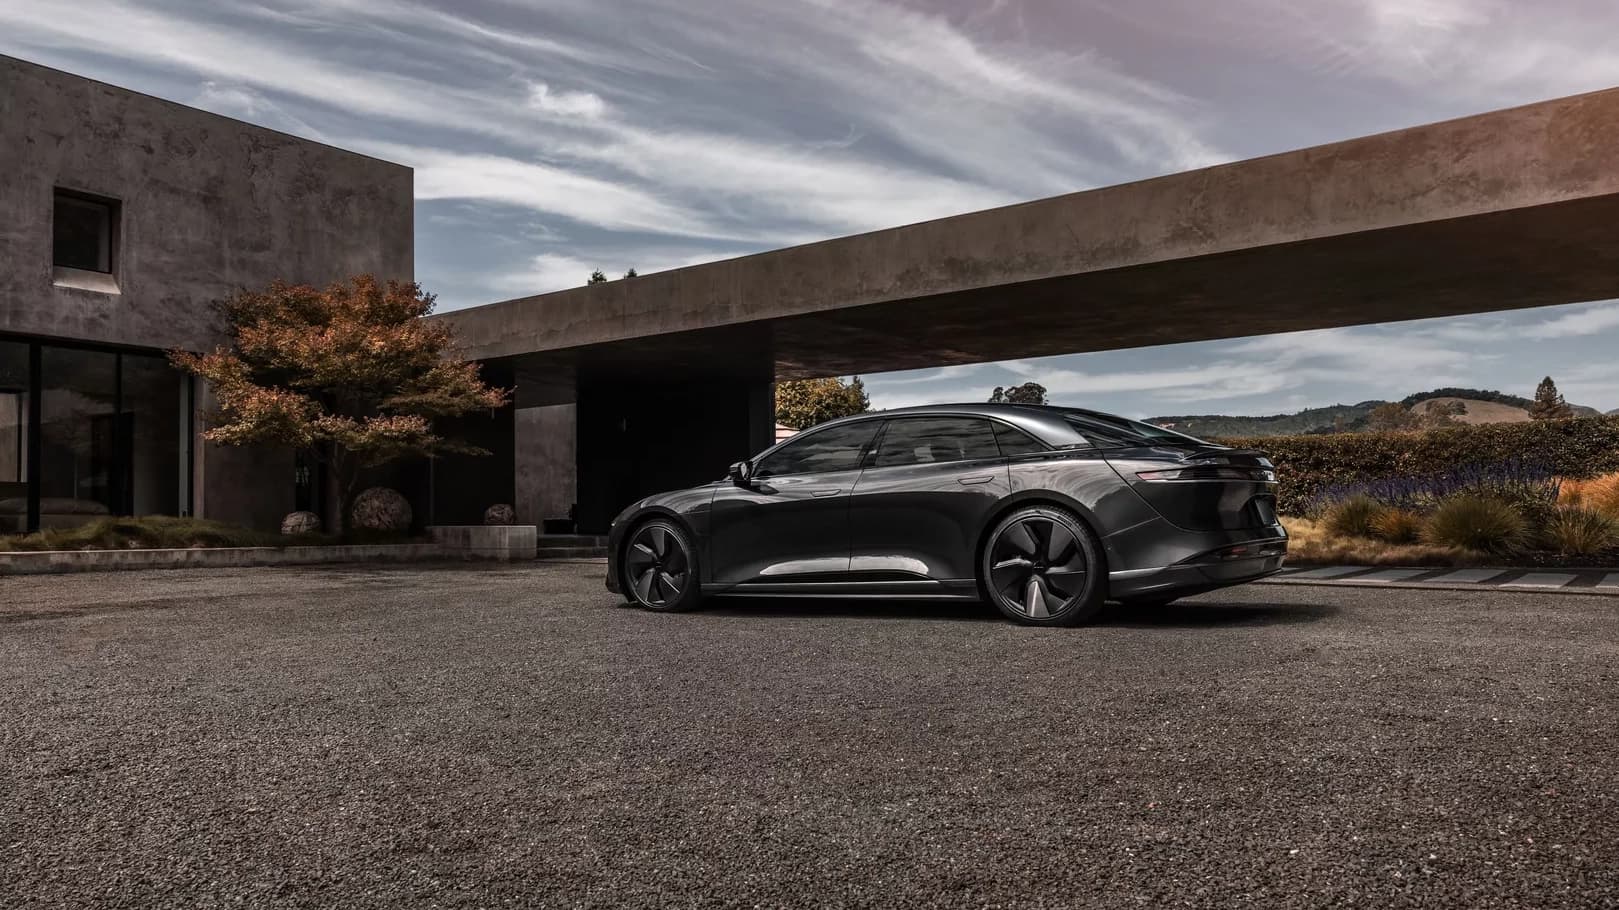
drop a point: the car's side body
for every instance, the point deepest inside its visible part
(897, 504)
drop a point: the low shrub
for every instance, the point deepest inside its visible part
(1354, 516)
(1310, 543)
(1478, 523)
(1530, 487)
(1580, 531)
(1600, 493)
(1394, 525)
(1307, 466)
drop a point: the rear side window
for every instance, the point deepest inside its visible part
(1107, 430)
(1014, 441)
(928, 440)
(820, 451)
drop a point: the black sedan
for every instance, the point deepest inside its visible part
(1045, 511)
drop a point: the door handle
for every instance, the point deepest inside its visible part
(976, 478)
(822, 494)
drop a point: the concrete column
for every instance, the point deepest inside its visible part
(547, 447)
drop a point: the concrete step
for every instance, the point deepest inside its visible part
(571, 553)
(573, 540)
(571, 546)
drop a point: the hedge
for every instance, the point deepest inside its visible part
(1577, 448)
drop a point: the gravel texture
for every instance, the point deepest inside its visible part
(460, 737)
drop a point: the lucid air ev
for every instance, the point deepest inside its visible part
(1044, 511)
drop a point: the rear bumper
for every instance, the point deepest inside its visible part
(1205, 572)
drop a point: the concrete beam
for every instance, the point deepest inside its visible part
(1506, 209)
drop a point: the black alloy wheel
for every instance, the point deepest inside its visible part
(1042, 566)
(660, 568)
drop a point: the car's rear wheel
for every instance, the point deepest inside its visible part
(1042, 566)
(660, 567)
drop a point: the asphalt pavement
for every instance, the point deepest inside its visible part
(469, 737)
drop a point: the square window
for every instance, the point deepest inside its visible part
(83, 232)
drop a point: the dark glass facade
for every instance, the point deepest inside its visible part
(87, 432)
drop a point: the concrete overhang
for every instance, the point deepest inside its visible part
(1510, 209)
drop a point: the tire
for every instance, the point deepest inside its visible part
(1043, 566)
(659, 571)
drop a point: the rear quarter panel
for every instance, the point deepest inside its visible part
(1085, 480)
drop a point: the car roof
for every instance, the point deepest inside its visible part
(1044, 422)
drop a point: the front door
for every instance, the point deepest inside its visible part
(790, 521)
(922, 502)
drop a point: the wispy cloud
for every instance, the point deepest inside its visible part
(542, 98)
(1588, 320)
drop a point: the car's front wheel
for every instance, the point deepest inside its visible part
(1043, 566)
(660, 567)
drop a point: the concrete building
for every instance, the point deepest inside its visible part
(122, 219)
(632, 386)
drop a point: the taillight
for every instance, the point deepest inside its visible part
(1208, 473)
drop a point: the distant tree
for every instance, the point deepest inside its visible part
(1549, 403)
(631, 274)
(1392, 417)
(597, 277)
(352, 376)
(803, 403)
(1027, 393)
(1442, 414)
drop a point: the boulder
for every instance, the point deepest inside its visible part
(500, 514)
(300, 523)
(380, 509)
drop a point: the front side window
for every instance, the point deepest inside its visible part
(927, 440)
(820, 451)
(82, 231)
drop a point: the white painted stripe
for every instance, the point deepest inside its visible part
(1540, 580)
(1390, 575)
(1609, 581)
(1466, 576)
(1328, 572)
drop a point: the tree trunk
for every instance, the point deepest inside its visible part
(335, 496)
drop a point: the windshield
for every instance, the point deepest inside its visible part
(1109, 430)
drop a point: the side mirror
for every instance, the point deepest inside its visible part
(740, 473)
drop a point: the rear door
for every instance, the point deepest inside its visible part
(790, 522)
(920, 504)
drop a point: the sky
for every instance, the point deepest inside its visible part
(554, 137)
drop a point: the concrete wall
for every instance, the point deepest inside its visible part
(209, 205)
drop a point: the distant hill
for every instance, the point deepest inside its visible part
(1477, 411)
(1309, 420)
(1483, 406)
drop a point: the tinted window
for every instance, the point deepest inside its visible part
(82, 232)
(819, 451)
(924, 440)
(1108, 430)
(1014, 441)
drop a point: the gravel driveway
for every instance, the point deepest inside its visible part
(400, 737)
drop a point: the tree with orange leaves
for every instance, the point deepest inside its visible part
(352, 375)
